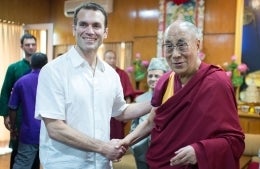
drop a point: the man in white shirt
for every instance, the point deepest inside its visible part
(77, 95)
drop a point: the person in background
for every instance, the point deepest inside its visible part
(77, 94)
(117, 127)
(157, 67)
(194, 123)
(24, 95)
(13, 73)
(128, 90)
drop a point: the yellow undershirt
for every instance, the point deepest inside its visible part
(170, 88)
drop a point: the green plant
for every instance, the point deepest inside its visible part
(235, 71)
(138, 68)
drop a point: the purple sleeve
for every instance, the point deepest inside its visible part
(14, 97)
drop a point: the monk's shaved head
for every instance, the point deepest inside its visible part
(182, 27)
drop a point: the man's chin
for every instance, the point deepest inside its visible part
(90, 46)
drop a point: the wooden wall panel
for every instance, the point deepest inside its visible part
(62, 25)
(147, 14)
(219, 30)
(26, 11)
(220, 16)
(127, 21)
(121, 21)
(219, 48)
(147, 48)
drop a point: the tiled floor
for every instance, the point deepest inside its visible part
(127, 162)
(4, 161)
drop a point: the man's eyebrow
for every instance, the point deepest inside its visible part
(82, 22)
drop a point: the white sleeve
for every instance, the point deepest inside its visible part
(119, 104)
(50, 97)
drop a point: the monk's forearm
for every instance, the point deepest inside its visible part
(135, 110)
(142, 131)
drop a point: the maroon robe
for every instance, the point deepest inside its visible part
(126, 84)
(202, 114)
(117, 127)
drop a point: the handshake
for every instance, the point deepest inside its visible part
(115, 149)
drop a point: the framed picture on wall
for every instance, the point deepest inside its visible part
(251, 35)
(171, 10)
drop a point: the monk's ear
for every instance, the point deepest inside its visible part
(198, 43)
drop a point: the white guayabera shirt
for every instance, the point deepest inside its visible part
(68, 90)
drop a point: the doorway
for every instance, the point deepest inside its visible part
(44, 34)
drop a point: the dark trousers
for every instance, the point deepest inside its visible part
(36, 163)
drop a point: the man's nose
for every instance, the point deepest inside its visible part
(89, 29)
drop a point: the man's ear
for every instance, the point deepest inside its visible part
(105, 33)
(73, 30)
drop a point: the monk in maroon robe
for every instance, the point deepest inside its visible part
(117, 127)
(195, 123)
(202, 114)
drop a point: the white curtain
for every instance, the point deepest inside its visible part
(10, 52)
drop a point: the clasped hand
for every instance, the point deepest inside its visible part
(114, 151)
(183, 156)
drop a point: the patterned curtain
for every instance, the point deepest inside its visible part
(170, 10)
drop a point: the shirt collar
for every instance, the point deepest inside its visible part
(26, 61)
(36, 70)
(77, 60)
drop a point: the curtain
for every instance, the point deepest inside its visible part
(10, 52)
